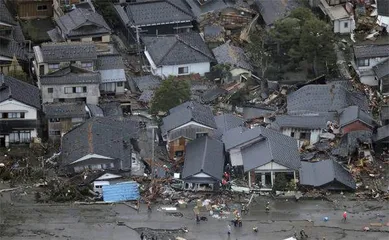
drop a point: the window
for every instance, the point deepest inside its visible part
(97, 39)
(42, 7)
(50, 90)
(55, 133)
(86, 65)
(54, 120)
(20, 137)
(119, 84)
(4, 115)
(305, 135)
(183, 70)
(199, 135)
(346, 25)
(68, 90)
(179, 153)
(53, 66)
(83, 89)
(292, 134)
(15, 115)
(363, 62)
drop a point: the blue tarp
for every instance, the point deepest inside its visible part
(121, 192)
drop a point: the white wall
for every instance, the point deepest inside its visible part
(315, 134)
(339, 26)
(166, 71)
(366, 73)
(92, 93)
(16, 106)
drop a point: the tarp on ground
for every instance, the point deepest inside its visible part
(125, 191)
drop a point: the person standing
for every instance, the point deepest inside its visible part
(345, 216)
(149, 206)
(142, 236)
(229, 229)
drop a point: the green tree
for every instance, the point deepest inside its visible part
(171, 93)
(259, 55)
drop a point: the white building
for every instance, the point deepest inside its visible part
(19, 111)
(366, 57)
(177, 55)
(342, 21)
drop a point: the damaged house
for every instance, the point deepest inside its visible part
(159, 17)
(186, 122)
(342, 21)
(100, 143)
(326, 174)
(113, 77)
(12, 42)
(354, 119)
(204, 164)
(83, 25)
(271, 11)
(176, 55)
(235, 59)
(381, 71)
(262, 153)
(19, 111)
(366, 57)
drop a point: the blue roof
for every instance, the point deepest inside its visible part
(121, 192)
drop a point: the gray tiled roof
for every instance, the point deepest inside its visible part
(55, 35)
(354, 113)
(254, 112)
(112, 61)
(273, 10)
(182, 48)
(158, 12)
(213, 31)
(212, 94)
(81, 22)
(147, 82)
(65, 52)
(349, 142)
(106, 136)
(204, 155)
(303, 122)
(385, 112)
(225, 122)
(70, 75)
(95, 110)
(10, 48)
(65, 110)
(20, 91)
(146, 96)
(319, 174)
(371, 50)
(382, 133)
(323, 98)
(186, 112)
(382, 70)
(112, 109)
(232, 55)
(5, 15)
(260, 141)
(383, 7)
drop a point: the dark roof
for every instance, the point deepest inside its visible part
(70, 75)
(273, 10)
(212, 94)
(65, 52)
(147, 82)
(81, 22)
(112, 109)
(382, 133)
(371, 50)
(95, 110)
(303, 122)
(232, 55)
(183, 48)
(256, 112)
(65, 110)
(186, 112)
(321, 173)
(259, 141)
(158, 12)
(105, 136)
(111, 61)
(225, 122)
(204, 155)
(13, 88)
(382, 69)
(10, 48)
(384, 112)
(146, 96)
(5, 14)
(354, 113)
(383, 7)
(213, 31)
(324, 98)
(349, 142)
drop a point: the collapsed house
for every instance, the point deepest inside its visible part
(204, 164)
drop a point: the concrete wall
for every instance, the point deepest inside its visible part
(339, 26)
(166, 71)
(355, 126)
(92, 94)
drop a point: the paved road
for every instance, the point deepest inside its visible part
(26, 221)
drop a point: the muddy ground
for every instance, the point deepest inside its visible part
(23, 220)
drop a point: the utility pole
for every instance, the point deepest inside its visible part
(152, 149)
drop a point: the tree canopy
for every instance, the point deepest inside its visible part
(171, 93)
